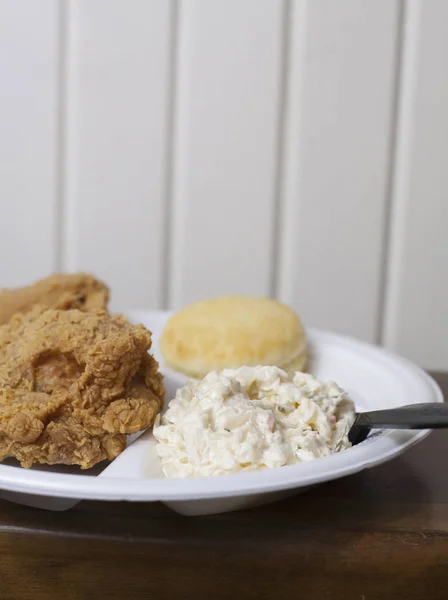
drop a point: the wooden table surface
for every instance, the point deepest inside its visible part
(380, 534)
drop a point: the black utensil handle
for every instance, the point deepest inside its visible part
(412, 416)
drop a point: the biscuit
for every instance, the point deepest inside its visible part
(232, 331)
(296, 364)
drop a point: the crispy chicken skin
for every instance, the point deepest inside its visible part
(72, 385)
(57, 291)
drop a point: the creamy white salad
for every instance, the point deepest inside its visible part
(251, 418)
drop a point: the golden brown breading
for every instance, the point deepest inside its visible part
(57, 291)
(73, 384)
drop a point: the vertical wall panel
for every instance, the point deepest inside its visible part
(117, 100)
(416, 322)
(225, 172)
(337, 151)
(28, 140)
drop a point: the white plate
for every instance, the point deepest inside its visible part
(373, 377)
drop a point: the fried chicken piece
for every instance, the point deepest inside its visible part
(73, 384)
(57, 291)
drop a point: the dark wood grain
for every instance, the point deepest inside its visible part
(380, 534)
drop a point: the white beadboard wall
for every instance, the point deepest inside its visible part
(29, 122)
(181, 149)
